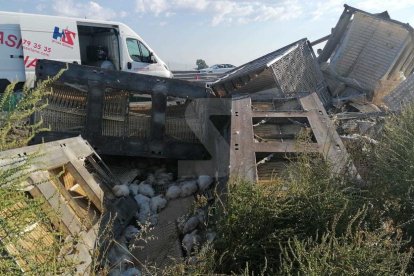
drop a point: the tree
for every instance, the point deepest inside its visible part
(201, 64)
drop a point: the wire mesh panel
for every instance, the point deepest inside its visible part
(292, 69)
(115, 113)
(66, 109)
(298, 71)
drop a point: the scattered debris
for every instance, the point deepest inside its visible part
(363, 71)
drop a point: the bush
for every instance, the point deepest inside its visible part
(355, 253)
(391, 177)
(257, 221)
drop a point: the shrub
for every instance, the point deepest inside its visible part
(356, 252)
(257, 221)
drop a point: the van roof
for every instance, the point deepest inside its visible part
(68, 17)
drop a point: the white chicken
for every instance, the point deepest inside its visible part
(150, 179)
(173, 192)
(121, 190)
(188, 188)
(157, 203)
(133, 271)
(191, 224)
(204, 182)
(190, 241)
(144, 208)
(146, 189)
(119, 253)
(133, 188)
(130, 232)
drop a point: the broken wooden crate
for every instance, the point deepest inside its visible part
(75, 186)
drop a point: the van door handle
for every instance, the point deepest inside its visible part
(15, 56)
(129, 65)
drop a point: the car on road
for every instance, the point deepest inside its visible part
(217, 69)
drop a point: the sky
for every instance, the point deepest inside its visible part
(218, 31)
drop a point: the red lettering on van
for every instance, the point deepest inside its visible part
(11, 40)
(28, 63)
(19, 44)
(68, 37)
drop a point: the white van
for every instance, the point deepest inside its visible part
(25, 38)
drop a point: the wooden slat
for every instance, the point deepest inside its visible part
(88, 183)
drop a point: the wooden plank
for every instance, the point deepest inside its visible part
(88, 183)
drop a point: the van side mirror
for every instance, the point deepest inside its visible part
(129, 65)
(152, 58)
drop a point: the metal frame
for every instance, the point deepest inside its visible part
(96, 83)
(244, 147)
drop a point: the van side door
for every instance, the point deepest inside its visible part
(140, 58)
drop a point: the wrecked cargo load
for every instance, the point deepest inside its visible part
(366, 56)
(286, 71)
(76, 188)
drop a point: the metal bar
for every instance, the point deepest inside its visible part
(95, 102)
(159, 107)
(320, 40)
(137, 83)
(337, 34)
